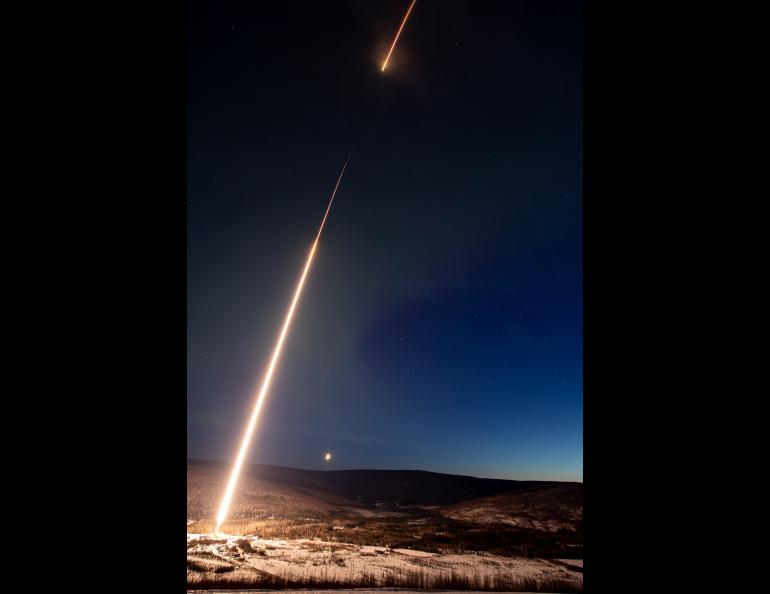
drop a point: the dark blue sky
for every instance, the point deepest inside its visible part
(441, 324)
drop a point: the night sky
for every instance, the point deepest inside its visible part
(441, 324)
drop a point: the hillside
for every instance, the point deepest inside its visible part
(549, 507)
(258, 498)
(389, 487)
(292, 528)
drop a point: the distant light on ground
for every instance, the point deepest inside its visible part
(328, 456)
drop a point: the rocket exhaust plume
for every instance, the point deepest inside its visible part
(409, 10)
(224, 507)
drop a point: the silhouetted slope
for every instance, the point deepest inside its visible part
(395, 487)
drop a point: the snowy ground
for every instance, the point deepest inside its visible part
(236, 559)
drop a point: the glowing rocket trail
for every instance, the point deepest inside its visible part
(224, 507)
(385, 63)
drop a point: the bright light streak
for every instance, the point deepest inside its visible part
(224, 507)
(385, 63)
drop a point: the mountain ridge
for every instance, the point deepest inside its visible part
(393, 487)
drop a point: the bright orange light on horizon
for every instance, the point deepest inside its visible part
(224, 506)
(385, 63)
